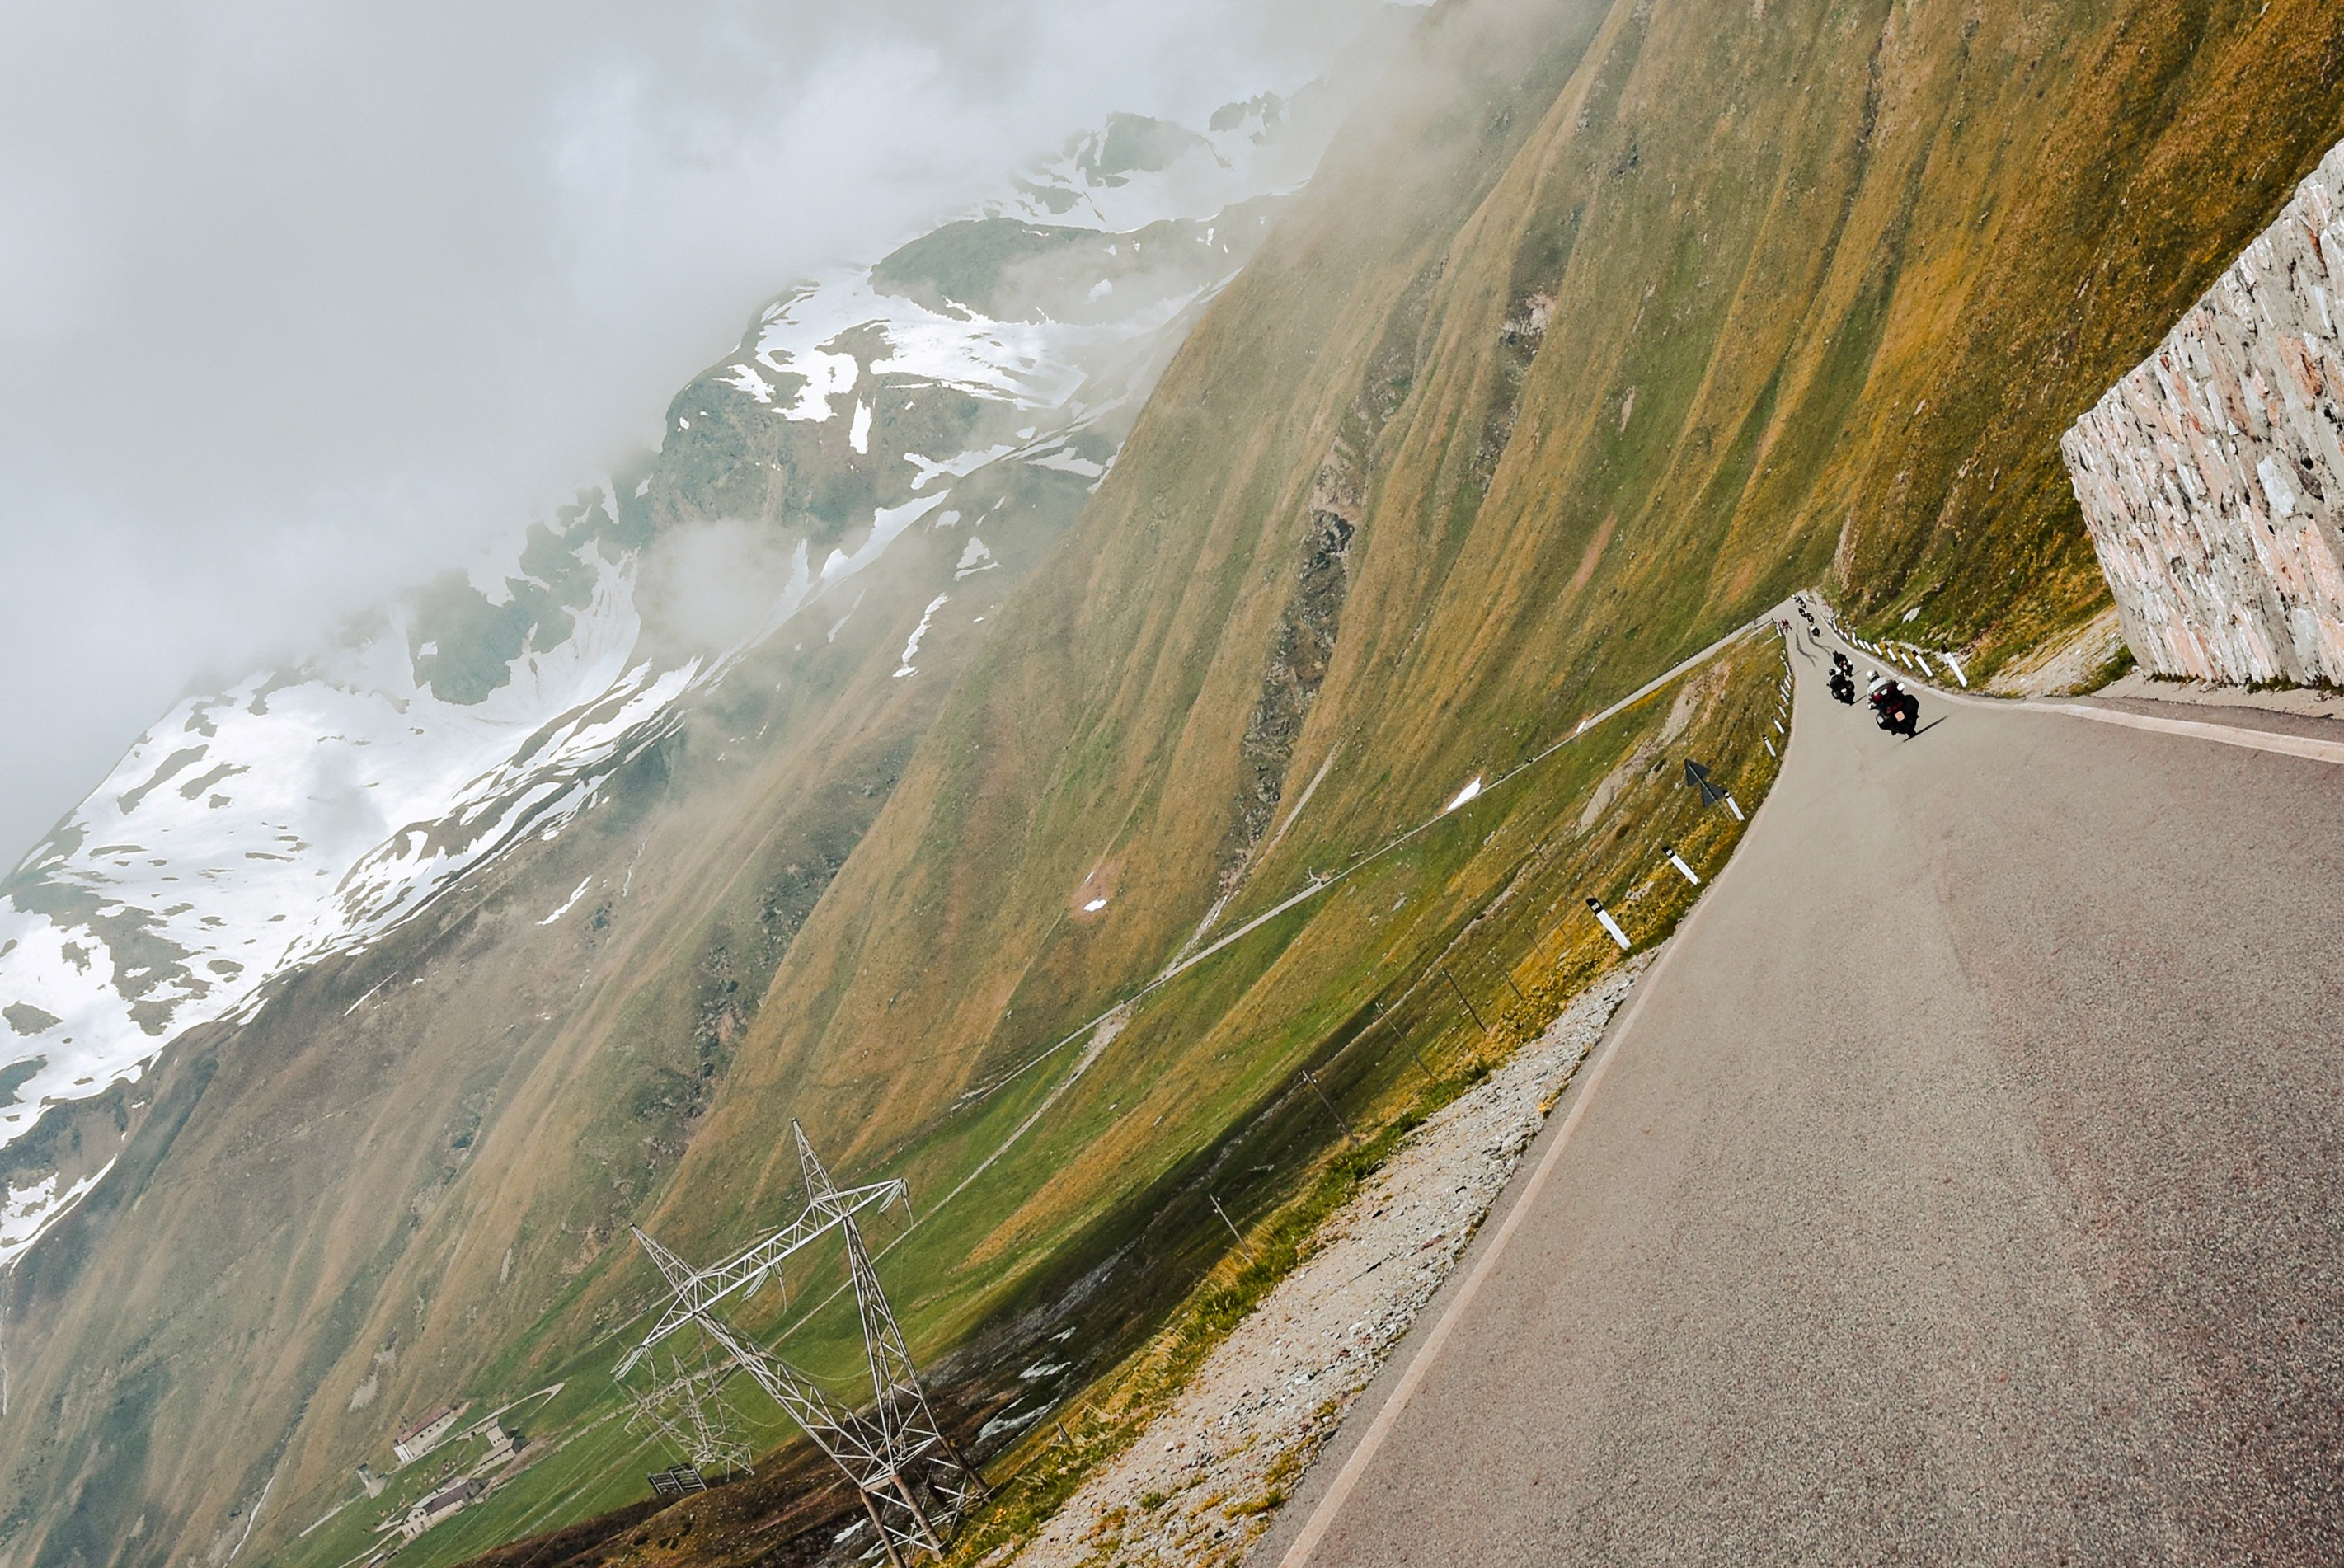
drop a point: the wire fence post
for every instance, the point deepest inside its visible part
(1312, 1079)
(1234, 1235)
(1421, 1065)
(1414, 1055)
(1462, 996)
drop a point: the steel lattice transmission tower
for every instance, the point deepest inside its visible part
(914, 1484)
(685, 1405)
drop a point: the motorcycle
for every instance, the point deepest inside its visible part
(1896, 710)
(1842, 687)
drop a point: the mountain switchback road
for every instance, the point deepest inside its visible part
(1962, 1187)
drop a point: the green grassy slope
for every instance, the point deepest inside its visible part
(1486, 896)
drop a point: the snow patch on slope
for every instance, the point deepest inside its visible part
(257, 829)
(912, 644)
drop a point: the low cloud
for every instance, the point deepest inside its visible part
(299, 302)
(709, 587)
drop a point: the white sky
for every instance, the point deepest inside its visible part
(299, 300)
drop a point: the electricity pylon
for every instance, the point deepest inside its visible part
(686, 1406)
(914, 1485)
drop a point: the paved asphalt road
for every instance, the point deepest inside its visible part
(1964, 1188)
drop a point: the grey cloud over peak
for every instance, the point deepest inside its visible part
(301, 303)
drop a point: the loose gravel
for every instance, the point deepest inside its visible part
(1208, 1477)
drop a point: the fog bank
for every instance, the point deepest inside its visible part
(300, 303)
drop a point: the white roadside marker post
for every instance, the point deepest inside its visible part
(1956, 669)
(1735, 807)
(1611, 927)
(1678, 861)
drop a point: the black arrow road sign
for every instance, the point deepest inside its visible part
(1698, 776)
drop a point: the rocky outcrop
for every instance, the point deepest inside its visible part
(2212, 476)
(1299, 656)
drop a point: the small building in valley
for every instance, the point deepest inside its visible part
(414, 1441)
(437, 1507)
(502, 1444)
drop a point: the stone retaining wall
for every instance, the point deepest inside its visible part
(2212, 476)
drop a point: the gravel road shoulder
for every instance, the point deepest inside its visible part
(1206, 1477)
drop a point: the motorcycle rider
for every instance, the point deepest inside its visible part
(1895, 709)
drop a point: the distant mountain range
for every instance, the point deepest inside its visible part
(305, 812)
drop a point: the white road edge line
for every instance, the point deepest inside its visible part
(2274, 741)
(2277, 741)
(1347, 1479)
